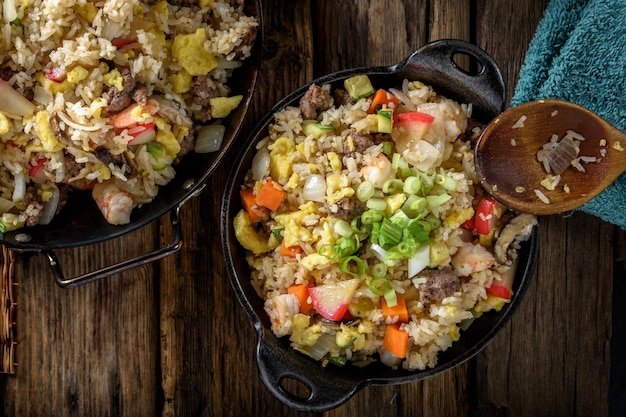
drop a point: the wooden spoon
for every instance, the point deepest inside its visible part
(507, 164)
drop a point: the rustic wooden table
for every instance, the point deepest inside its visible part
(169, 338)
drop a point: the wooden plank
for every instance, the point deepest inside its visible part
(207, 340)
(88, 350)
(530, 368)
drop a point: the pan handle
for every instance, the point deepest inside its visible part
(277, 365)
(121, 266)
(434, 64)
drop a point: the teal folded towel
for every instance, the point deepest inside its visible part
(578, 53)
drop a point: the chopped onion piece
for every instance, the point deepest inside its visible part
(224, 63)
(50, 207)
(260, 164)
(9, 11)
(5, 205)
(419, 261)
(389, 359)
(315, 188)
(210, 138)
(323, 345)
(13, 102)
(20, 187)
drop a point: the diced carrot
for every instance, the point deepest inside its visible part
(270, 195)
(383, 98)
(399, 310)
(396, 341)
(302, 292)
(290, 251)
(248, 200)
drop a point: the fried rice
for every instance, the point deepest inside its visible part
(366, 233)
(108, 96)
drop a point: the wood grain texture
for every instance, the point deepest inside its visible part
(170, 338)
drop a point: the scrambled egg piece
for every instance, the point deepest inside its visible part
(222, 106)
(88, 11)
(350, 336)
(181, 81)
(458, 217)
(294, 231)
(280, 161)
(74, 76)
(190, 53)
(302, 333)
(491, 303)
(335, 161)
(205, 4)
(49, 142)
(161, 8)
(313, 260)
(337, 188)
(113, 78)
(4, 124)
(169, 142)
(247, 235)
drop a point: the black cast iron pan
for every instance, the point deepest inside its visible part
(80, 222)
(329, 387)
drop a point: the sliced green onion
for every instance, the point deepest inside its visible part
(346, 246)
(337, 360)
(379, 285)
(427, 183)
(390, 297)
(412, 185)
(392, 186)
(378, 270)
(375, 203)
(390, 234)
(359, 227)
(343, 228)
(437, 200)
(276, 233)
(375, 232)
(365, 191)
(370, 216)
(434, 221)
(407, 247)
(328, 251)
(446, 182)
(400, 218)
(414, 206)
(346, 263)
(395, 161)
(387, 147)
(419, 229)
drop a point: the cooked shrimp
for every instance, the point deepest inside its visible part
(471, 258)
(281, 310)
(134, 114)
(377, 171)
(114, 202)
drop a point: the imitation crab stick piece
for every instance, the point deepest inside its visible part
(399, 310)
(383, 98)
(270, 195)
(248, 199)
(396, 340)
(301, 291)
(135, 114)
(290, 251)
